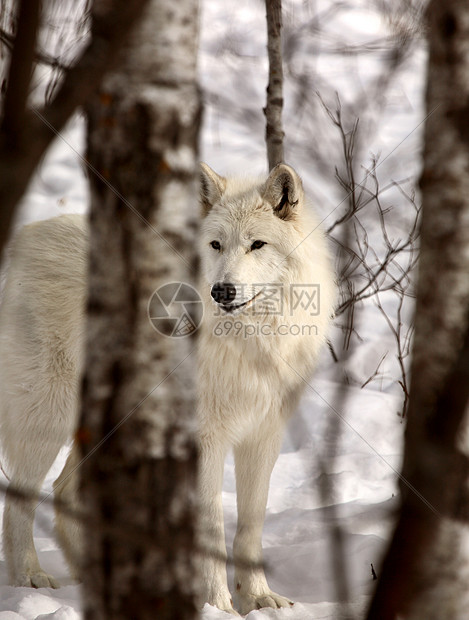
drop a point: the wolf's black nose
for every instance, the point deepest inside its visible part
(223, 292)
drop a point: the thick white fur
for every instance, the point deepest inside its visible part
(41, 325)
(249, 385)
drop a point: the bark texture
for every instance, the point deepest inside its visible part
(425, 574)
(138, 404)
(273, 110)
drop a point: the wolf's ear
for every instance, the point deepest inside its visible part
(212, 187)
(284, 191)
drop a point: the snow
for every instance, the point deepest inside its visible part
(334, 489)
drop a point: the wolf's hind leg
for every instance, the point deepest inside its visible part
(254, 461)
(68, 527)
(27, 473)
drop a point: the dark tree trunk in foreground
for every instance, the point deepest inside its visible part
(139, 482)
(425, 575)
(274, 106)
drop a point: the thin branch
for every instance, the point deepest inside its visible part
(402, 343)
(367, 269)
(40, 57)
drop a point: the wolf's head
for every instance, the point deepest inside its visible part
(249, 232)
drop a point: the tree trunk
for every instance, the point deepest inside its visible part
(273, 110)
(137, 430)
(425, 575)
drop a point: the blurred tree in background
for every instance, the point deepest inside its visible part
(426, 571)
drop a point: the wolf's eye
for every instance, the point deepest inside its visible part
(257, 245)
(215, 245)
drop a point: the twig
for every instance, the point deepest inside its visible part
(40, 57)
(369, 270)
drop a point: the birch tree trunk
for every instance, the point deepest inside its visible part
(425, 575)
(137, 428)
(273, 110)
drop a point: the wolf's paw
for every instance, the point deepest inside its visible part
(223, 602)
(37, 579)
(249, 602)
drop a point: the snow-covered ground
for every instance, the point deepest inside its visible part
(334, 488)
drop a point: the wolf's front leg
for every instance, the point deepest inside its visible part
(211, 539)
(66, 502)
(254, 460)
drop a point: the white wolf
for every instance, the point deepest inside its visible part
(267, 272)
(267, 286)
(41, 338)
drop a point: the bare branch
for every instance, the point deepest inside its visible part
(370, 269)
(40, 57)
